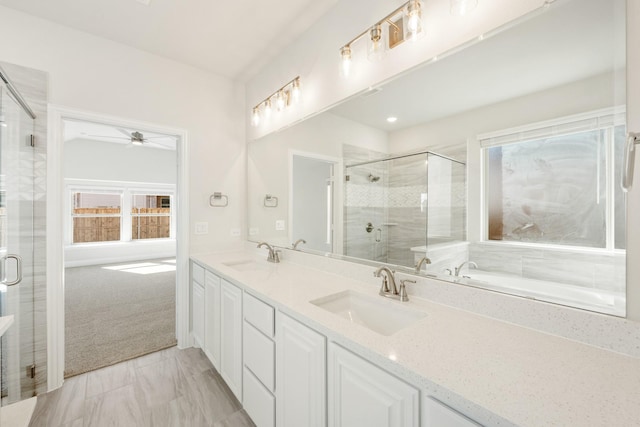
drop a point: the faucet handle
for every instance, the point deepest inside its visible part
(403, 289)
(276, 255)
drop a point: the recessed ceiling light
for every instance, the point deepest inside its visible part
(392, 119)
(144, 2)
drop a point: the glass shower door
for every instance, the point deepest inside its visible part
(16, 250)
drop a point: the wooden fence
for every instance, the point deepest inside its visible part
(146, 223)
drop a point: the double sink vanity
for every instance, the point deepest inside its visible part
(310, 341)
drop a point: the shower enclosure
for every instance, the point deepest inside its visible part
(402, 208)
(16, 244)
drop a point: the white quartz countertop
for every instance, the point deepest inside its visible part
(5, 322)
(527, 377)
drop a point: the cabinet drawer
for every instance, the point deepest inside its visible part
(259, 355)
(210, 278)
(438, 414)
(258, 402)
(259, 314)
(197, 273)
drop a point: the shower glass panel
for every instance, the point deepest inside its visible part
(400, 208)
(446, 212)
(16, 249)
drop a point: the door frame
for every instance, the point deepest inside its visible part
(55, 242)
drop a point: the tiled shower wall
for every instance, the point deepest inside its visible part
(365, 203)
(33, 85)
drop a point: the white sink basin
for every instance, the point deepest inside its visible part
(245, 265)
(375, 313)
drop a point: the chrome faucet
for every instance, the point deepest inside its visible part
(297, 242)
(423, 260)
(458, 269)
(274, 255)
(387, 279)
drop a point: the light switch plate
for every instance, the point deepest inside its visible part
(280, 225)
(202, 228)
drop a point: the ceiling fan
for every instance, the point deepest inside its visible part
(135, 137)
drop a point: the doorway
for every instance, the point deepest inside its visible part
(56, 216)
(119, 235)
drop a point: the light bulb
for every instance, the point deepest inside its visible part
(267, 109)
(255, 118)
(345, 54)
(462, 7)
(414, 28)
(281, 99)
(295, 91)
(376, 43)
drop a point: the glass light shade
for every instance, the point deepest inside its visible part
(376, 43)
(281, 100)
(255, 117)
(345, 65)
(462, 7)
(414, 18)
(295, 91)
(267, 109)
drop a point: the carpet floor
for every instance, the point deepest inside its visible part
(117, 312)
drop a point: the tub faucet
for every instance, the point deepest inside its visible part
(388, 288)
(297, 242)
(458, 269)
(274, 256)
(423, 260)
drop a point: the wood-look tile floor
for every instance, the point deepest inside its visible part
(168, 388)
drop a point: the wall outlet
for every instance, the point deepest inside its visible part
(202, 228)
(253, 231)
(235, 232)
(280, 225)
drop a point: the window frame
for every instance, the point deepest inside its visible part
(126, 190)
(146, 192)
(610, 117)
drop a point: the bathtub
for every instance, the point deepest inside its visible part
(601, 301)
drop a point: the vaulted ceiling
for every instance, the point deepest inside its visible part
(233, 38)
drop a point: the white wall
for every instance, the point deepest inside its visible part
(98, 160)
(97, 75)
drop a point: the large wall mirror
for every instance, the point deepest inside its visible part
(499, 163)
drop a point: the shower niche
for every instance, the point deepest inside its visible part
(398, 209)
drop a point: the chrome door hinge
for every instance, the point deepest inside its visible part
(31, 371)
(32, 140)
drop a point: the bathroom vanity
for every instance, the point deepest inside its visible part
(281, 336)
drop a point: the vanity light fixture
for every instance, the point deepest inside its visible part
(284, 97)
(404, 23)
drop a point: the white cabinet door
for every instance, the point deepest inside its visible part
(231, 337)
(363, 395)
(197, 319)
(437, 414)
(300, 374)
(212, 318)
(258, 402)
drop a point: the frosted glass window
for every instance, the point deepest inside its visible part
(550, 190)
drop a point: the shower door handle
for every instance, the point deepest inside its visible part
(628, 163)
(18, 278)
